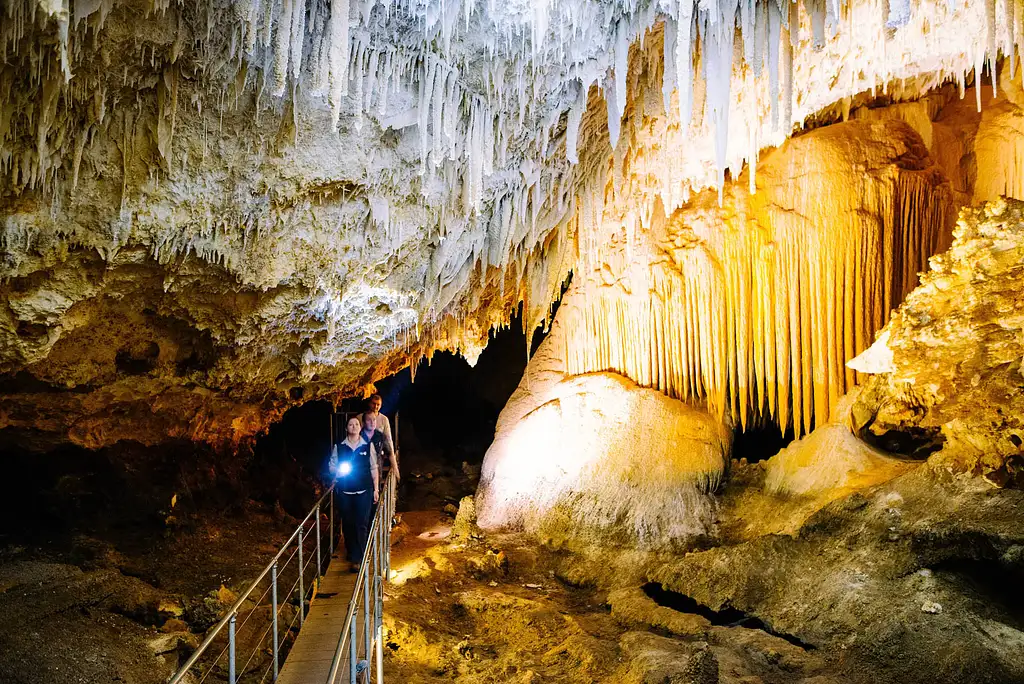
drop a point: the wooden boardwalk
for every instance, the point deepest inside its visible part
(309, 661)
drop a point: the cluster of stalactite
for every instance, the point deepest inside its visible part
(757, 307)
(501, 104)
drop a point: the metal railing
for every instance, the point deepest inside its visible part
(247, 610)
(368, 598)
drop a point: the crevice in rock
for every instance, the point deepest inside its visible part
(138, 361)
(912, 443)
(726, 617)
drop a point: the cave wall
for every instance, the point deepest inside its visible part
(755, 300)
(751, 309)
(316, 194)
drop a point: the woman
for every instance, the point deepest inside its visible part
(354, 468)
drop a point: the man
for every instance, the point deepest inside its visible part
(375, 437)
(353, 465)
(385, 444)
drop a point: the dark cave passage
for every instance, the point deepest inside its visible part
(446, 416)
(760, 441)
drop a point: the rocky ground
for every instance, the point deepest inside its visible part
(498, 608)
(909, 577)
(114, 564)
(883, 584)
(95, 613)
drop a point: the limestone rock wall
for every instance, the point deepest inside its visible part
(754, 305)
(956, 347)
(311, 194)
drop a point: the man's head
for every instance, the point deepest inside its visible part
(369, 421)
(374, 403)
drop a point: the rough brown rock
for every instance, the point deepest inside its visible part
(954, 377)
(632, 607)
(853, 581)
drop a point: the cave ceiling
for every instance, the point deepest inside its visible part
(214, 210)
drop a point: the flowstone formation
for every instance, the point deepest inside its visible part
(868, 562)
(594, 460)
(251, 204)
(748, 310)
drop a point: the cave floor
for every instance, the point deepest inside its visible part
(501, 608)
(908, 579)
(904, 576)
(127, 603)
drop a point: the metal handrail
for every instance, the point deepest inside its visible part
(376, 559)
(271, 568)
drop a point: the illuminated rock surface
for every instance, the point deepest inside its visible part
(853, 580)
(596, 460)
(291, 199)
(829, 458)
(957, 345)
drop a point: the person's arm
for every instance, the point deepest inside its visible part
(387, 434)
(392, 454)
(394, 466)
(374, 473)
(332, 462)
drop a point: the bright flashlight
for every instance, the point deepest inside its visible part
(344, 468)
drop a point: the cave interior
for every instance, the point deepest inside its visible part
(698, 323)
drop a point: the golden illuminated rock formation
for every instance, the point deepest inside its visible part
(830, 460)
(757, 305)
(594, 459)
(605, 462)
(957, 345)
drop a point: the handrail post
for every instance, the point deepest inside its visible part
(352, 650)
(231, 649)
(273, 603)
(378, 612)
(319, 566)
(302, 588)
(367, 629)
(386, 531)
(330, 527)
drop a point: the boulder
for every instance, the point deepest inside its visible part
(602, 461)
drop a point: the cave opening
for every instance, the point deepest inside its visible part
(447, 414)
(761, 440)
